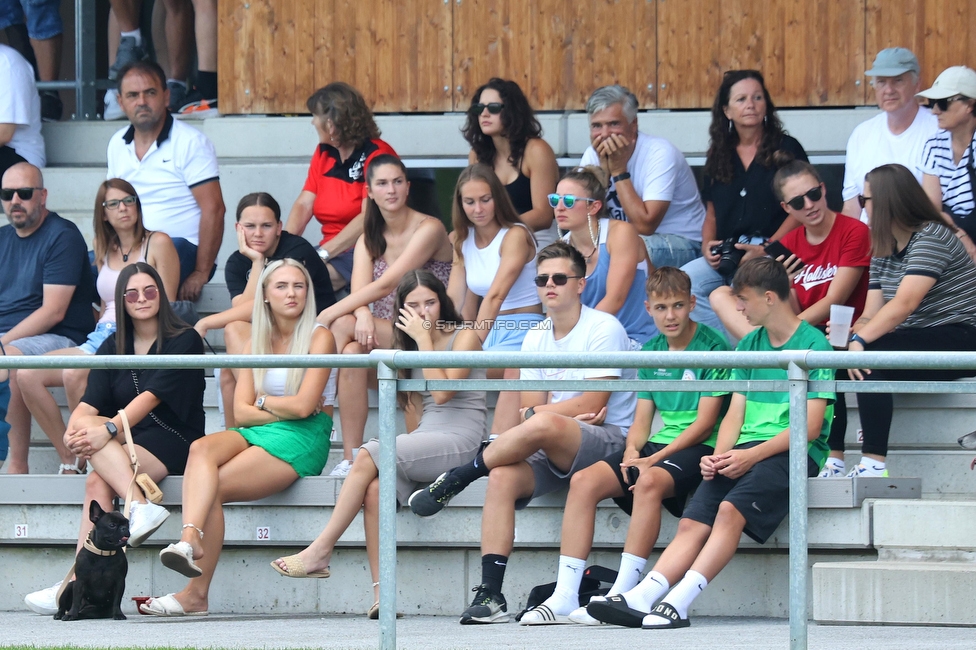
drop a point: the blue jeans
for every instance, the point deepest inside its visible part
(704, 280)
(671, 250)
(43, 17)
(187, 253)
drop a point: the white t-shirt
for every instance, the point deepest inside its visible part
(21, 105)
(659, 172)
(595, 331)
(179, 160)
(872, 144)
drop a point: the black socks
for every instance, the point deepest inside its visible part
(493, 571)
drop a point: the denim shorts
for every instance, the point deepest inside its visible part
(508, 331)
(43, 17)
(96, 338)
(41, 344)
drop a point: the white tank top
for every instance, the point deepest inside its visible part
(481, 267)
(275, 379)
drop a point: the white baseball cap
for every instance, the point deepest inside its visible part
(957, 80)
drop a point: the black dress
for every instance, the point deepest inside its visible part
(167, 431)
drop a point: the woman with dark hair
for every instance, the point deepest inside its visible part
(282, 434)
(450, 431)
(335, 189)
(505, 135)
(949, 157)
(164, 408)
(747, 145)
(120, 239)
(396, 240)
(921, 297)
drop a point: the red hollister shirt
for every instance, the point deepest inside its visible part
(848, 244)
(340, 187)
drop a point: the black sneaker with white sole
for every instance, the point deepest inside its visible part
(432, 499)
(487, 607)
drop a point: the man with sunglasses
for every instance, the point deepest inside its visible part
(47, 287)
(897, 134)
(174, 170)
(562, 431)
(20, 112)
(651, 184)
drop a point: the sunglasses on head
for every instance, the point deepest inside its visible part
(797, 202)
(114, 203)
(943, 104)
(569, 200)
(558, 279)
(132, 295)
(862, 200)
(494, 108)
(25, 193)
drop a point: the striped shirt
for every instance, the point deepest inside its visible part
(937, 160)
(935, 252)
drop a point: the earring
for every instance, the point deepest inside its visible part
(266, 302)
(730, 126)
(765, 119)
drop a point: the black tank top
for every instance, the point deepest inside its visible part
(520, 191)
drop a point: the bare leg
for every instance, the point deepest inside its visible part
(678, 557)
(722, 542)
(507, 407)
(33, 384)
(371, 527)
(652, 487)
(506, 485)
(586, 489)
(126, 14)
(557, 435)
(205, 24)
(19, 419)
(351, 388)
(351, 498)
(48, 53)
(179, 31)
(75, 383)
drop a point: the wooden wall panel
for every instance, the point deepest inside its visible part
(809, 52)
(557, 50)
(941, 33)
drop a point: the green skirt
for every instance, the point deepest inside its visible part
(303, 444)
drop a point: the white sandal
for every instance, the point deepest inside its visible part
(179, 558)
(80, 467)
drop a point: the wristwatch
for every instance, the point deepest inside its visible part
(260, 402)
(324, 254)
(111, 428)
(620, 177)
(529, 412)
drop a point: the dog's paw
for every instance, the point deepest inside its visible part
(68, 616)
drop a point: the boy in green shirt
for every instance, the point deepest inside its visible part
(746, 480)
(667, 462)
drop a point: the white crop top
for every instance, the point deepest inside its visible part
(481, 267)
(275, 378)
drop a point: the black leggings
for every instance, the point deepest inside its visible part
(8, 158)
(876, 408)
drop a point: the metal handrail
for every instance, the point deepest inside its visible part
(389, 362)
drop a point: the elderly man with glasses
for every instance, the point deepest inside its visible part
(47, 288)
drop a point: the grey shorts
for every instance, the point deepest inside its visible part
(422, 456)
(31, 346)
(596, 443)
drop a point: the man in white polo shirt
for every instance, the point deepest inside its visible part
(174, 169)
(20, 113)
(897, 135)
(651, 184)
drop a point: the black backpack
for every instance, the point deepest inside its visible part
(594, 578)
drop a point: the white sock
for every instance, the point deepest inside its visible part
(565, 598)
(136, 34)
(873, 463)
(647, 592)
(681, 597)
(835, 462)
(629, 573)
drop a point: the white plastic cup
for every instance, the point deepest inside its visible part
(840, 325)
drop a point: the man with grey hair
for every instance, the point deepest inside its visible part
(47, 289)
(651, 184)
(897, 134)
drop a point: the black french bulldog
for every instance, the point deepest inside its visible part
(96, 591)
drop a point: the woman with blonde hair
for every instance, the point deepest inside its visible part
(283, 434)
(120, 240)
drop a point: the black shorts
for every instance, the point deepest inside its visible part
(684, 467)
(761, 495)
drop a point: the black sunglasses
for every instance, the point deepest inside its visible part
(494, 108)
(862, 200)
(797, 202)
(25, 193)
(943, 104)
(558, 279)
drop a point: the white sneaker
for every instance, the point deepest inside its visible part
(832, 470)
(45, 601)
(113, 111)
(144, 520)
(342, 469)
(581, 617)
(862, 470)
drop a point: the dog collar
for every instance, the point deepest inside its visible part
(89, 546)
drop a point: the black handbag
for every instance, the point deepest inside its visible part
(966, 221)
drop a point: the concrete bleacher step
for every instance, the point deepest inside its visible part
(925, 573)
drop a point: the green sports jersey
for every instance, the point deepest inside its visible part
(767, 414)
(679, 410)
